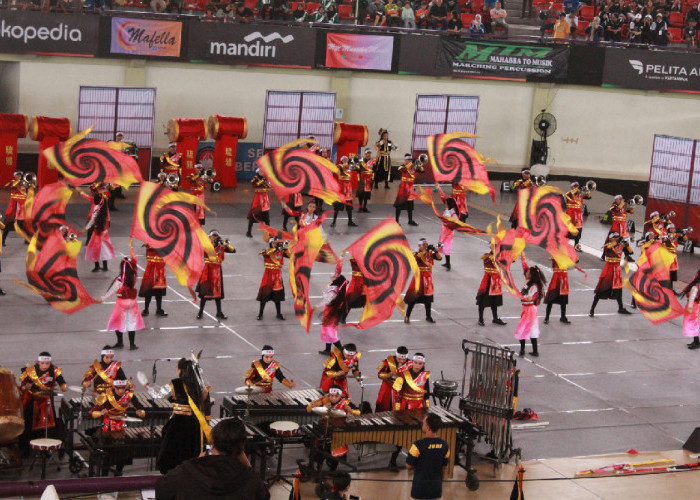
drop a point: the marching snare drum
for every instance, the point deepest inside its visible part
(285, 428)
(444, 388)
(45, 444)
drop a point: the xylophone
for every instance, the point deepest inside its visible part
(400, 428)
(282, 405)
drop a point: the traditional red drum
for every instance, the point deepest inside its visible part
(187, 132)
(49, 132)
(349, 138)
(12, 127)
(226, 131)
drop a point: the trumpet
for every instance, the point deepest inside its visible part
(685, 231)
(209, 174)
(172, 180)
(29, 178)
(283, 245)
(638, 199)
(669, 215)
(590, 186)
(540, 180)
(161, 177)
(421, 160)
(72, 237)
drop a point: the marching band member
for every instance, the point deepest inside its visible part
(574, 209)
(15, 209)
(558, 292)
(38, 383)
(260, 207)
(126, 315)
(691, 311)
(170, 163)
(655, 225)
(618, 214)
(198, 183)
(103, 372)
(154, 282)
(388, 371)
(291, 207)
(366, 174)
(524, 183)
(211, 283)
(382, 167)
(412, 386)
(343, 178)
(338, 365)
(528, 326)
(2, 243)
(263, 371)
(610, 282)
(356, 295)
(490, 293)
(447, 234)
(99, 246)
(404, 196)
(459, 193)
(425, 257)
(272, 286)
(671, 241)
(111, 406)
(183, 435)
(332, 308)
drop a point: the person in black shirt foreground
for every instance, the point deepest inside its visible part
(428, 458)
(225, 474)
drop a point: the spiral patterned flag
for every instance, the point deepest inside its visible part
(290, 169)
(542, 213)
(52, 272)
(304, 252)
(507, 246)
(47, 209)
(456, 162)
(426, 196)
(166, 222)
(657, 303)
(386, 262)
(270, 232)
(84, 161)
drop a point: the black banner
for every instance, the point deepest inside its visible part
(504, 60)
(651, 70)
(417, 54)
(31, 32)
(226, 43)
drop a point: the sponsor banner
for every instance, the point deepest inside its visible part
(651, 70)
(354, 51)
(261, 45)
(145, 37)
(32, 32)
(246, 155)
(508, 61)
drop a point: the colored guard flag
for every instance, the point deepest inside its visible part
(47, 209)
(507, 246)
(303, 253)
(453, 223)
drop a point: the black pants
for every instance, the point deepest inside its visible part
(159, 302)
(494, 312)
(203, 301)
(264, 217)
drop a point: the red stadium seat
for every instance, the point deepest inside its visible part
(477, 6)
(190, 5)
(345, 12)
(675, 35)
(676, 20)
(587, 12)
(467, 19)
(581, 29)
(312, 7)
(251, 4)
(294, 5)
(202, 4)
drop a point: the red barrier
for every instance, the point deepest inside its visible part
(187, 132)
(349, 138)
(226, 131)
(12, 127)
(49, 132)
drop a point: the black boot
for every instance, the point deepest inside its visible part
(481, 316)
(104, 265)
(398, 214)
(695, 344)
(496, 319)
(260, 312)
(249, 234)
(350, 222)
(146, 305)
(200, 315)
(534, 347)
(409, 310)
(522, 349)
(5, 233)
(546, 314)
(411, 222)
(620, 308)
(392, 462)
(335, 218)
(219, 314)
(159, 307)
(278, 306)
(447, 262)
(326, 351)
(120, 340)
(132, 341)
(563, 318)
(428, 314)
(96, 269)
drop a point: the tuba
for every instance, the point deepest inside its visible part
(540, 180)
(172, 180)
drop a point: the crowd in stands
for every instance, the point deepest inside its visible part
(653, 23)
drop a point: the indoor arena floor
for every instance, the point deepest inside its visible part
(603, 385)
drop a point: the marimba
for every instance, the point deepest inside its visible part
(282, 405)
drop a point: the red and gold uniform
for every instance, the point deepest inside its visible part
(388, 371)
(102, 375)
(154, 282)
(558, 291)
(356, 295)
(671, 242)
(272, 286)
(490, 293)
(260, 207)
(412, 390)
(197, 185)
(618, 214)
(366, 177)
(610, 281)
(211, 284)
(336, 399)
(18, 195)
(37, 388)
(109, 404)
(170, 163)
(459, 193)
(337, 367)
(524, 183)
(382, 167)
(405, 195)
(574, 206)
(262, 374)
(425, 259)
(344, 183)
(293, 208)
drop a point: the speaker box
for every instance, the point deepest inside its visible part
(693, 442)
(539, 152)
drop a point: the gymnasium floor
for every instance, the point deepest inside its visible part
(603, 384)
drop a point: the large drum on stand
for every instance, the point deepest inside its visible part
(444, 391)
(11, 416)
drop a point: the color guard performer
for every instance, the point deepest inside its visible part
(528, 326)
(265, 370)
(691, 311)
(126, 315)
(344, 180)
(425, 257)
(447, 234)
(574, 209)
(490, 293)
(38, 384)
(197, 184)
(15, 210)
(558, 292)
(655, 225)
(404, 197)
(523, 183)
(618, 214)
(103, 372)
(338, 365)
(154, 282)
(291, 207)
(331, 309)
(260, 207)
(366, 177)
(388, 371)
(99, 247)
(112, 406)
(610, 282)
(272, 286)
(356, 295)
(671, 241)
(459, 193)
(382, 167)
(310, 215)
(211, 283)
(412, 386)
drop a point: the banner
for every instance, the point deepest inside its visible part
(228, 43)
(650, 70)
(353, 51)
(145, 37)
(33, 32)
(500, 60)
(246, 154)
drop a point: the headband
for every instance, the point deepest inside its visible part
(349, 353)
(335, 390)
(526, 171)
(107, 352)
(119, 383)
(418, 358)
(402, 356)
(268, 352)
(172, 145)
(41, 359)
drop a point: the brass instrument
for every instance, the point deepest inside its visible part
(686, 230)
(172, 180)
(540, 180)
(29, 178)
(421, 160)
(669, 215)
(638, 199)
(209, 174)
(161, 177)
(590, 186)
(72, 236)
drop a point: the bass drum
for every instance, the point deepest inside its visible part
(158, 5)
(11, 417)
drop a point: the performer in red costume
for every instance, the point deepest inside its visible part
(459, 193)
(388, 371)
(404, 197)
(524, 183)
(102, 373)
(344, 181)
(338, 365)
(126, 315)
(490, 293)
(272, 286)
(211, 283)
(558, 292)
(528, 326)
(412, 386)
(264, 371)
(197, 184)
(610, 282)
(260, 207)
(425, 257)
(154, 282)
(574, 209)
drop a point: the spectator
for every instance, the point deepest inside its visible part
(620, 8)
(376, 13)
(660, 30)
(647, 33)
(438, 15)
(319, 16)
(489, 4)
(690, 32)
(694, 14)
(452, 6)
(225, 473)
(476, 28)
(548, 17)
(428, 458)
(594, 31)
(613, 29)
(393, 16)
(299, 14)
(408, 16)
(340, 488)
(572, 19)
(332, 15)
(498, 18)
(571, 6)
(264, 8)
(634, 9)
(455, 23)
(649, 9)
(327, 3)
(676, 6)
(562, 30)
(423, 16)
(280, 10)
(242, 13)
(635, 30)
(361, 6)
(209, 14)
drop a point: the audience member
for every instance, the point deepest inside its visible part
(572, 19)
(423, 15)
(635, 29)
(332, 14)
(280, 10)
(660, 30)
(340, 488)
(428, 458)
(562, 30)
(647, 33)
(319, 15)
(476, 27)
(676, 6)
(299, 14)
(571, 6)
(438, 15)
(393, 15)
(498, 18)
(264, 8)
(455, 23)
(594, 31)
(694, 14)
(242, 13)
(375, 10)
(690, 32)
(408, 16)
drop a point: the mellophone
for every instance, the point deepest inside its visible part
(272, 406)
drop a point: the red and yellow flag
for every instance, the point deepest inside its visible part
(304, 252)
(507, 246)
(47, 209)
(426, 196)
